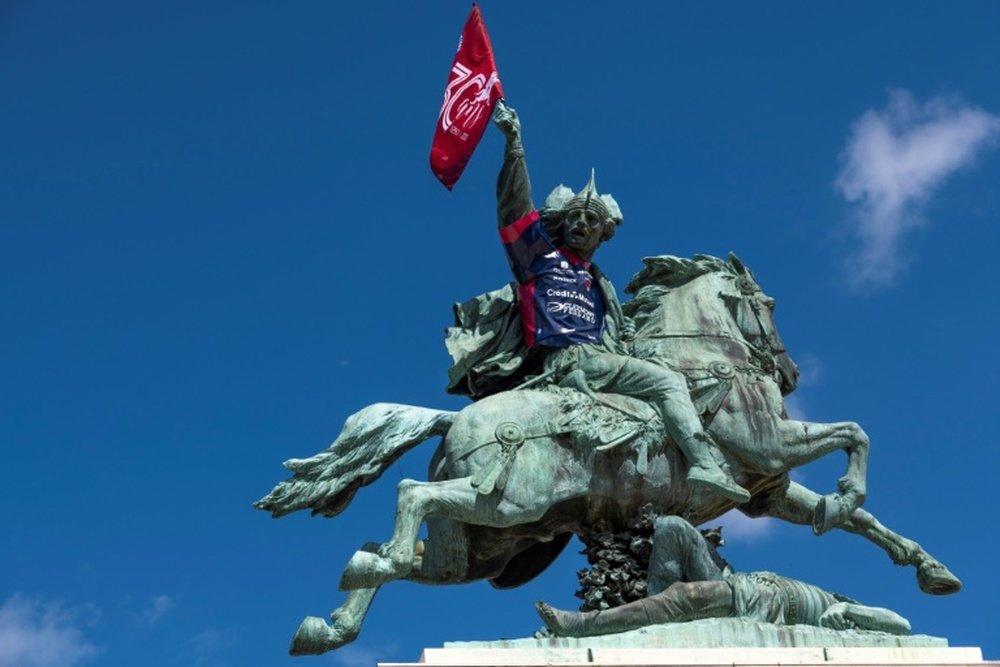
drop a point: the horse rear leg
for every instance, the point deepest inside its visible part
(445, 564)
(797, 504)
(452, 499)
(804, 442)
(315, 637)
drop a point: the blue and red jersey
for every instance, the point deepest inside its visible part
(558, 297)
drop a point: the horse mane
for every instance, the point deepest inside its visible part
(670, 271)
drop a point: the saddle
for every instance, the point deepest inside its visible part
(600, 422)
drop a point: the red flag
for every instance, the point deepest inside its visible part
(473, 88)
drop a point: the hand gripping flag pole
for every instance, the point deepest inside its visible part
(472, 91)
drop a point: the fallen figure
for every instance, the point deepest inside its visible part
(688, 580)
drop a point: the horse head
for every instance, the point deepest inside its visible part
(708, 295)
(755, 317)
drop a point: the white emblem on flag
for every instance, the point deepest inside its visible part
(466, 100)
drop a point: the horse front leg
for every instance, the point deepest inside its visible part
(797, 504)
(932, 576)
(804, 442)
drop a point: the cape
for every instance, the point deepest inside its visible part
(487, 347)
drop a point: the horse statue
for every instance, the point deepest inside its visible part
(519, 472)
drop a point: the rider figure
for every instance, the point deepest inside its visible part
(570, 312)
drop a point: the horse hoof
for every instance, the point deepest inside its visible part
(315, 637)
(936, 579)
(829, 513)
(366, 570)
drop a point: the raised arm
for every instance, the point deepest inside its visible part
(513, 185)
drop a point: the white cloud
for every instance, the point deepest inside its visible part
(735, 524)
(795, 408)
(40, 634)
(894, 161)
(810, 369)
(208, 648)
(158, 606)
(359, 655)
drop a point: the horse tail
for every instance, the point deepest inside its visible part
(371, 441)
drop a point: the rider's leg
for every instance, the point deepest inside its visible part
(669, 391)
(681, 602)
(679, 554)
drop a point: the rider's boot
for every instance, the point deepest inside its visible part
(684, 426)
(705, 472)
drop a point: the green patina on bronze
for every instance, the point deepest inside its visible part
(689, 581)
(560, 442)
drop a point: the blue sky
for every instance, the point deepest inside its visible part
(220, 237)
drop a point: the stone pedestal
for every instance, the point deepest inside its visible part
(720, 642)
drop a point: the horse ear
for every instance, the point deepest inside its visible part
(737, 264)
(740, 267)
